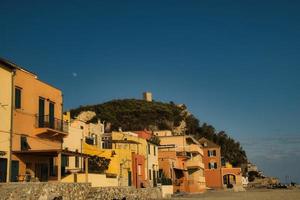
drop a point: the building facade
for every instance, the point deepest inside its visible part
(151, 157)
(181, 160)
(82, 136)
(217, 175)
(212, 163)
(37, 128)
(6, 97)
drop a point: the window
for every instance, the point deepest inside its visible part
(149, 149)
(24, 143)
(76, 161)
(160, 173)
(41, 112)
(212, 165)
(65, 161)
(96, 140)
(51, 115)
(89, 140)
(149, 174)
(18, 98)
(154, 147)
(212, 153)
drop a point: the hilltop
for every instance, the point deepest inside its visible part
(133, 115)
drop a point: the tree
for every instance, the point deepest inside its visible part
(98, 164)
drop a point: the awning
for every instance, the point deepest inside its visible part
(51, 152)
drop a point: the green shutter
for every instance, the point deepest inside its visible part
(17, 98)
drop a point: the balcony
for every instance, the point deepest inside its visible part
(194, 164)
(190, 148)
(54, 126)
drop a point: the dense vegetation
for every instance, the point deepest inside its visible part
(131, 114)
(134, 115)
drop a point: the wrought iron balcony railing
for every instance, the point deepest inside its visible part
(46, 121)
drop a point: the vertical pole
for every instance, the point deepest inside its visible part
(59, 167)
(9, 170)
(81, 158)
(86, 169)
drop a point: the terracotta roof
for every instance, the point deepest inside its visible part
(144, 134)
(207, 143)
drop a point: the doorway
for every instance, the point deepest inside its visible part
(42, 172)
(129, 178)
(3, 170)
(14, 171)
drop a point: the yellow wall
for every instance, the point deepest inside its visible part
(142, 147)
(121, 156)
(5, 111)
(97, 180)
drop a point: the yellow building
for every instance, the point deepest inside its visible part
(6, 97)
(127, 153)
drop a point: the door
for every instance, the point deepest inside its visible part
(3, 170)
(41, 172)
(154, 179)
(41, 113)
(129, 178)
(14, 170)
(51, 115)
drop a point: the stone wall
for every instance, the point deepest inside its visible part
(44, 191)
(73, 191)
(128, 193)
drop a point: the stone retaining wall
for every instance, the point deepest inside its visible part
(44, 191)
(73, 191)
(128, 193)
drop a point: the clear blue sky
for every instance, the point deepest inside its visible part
(235, 64)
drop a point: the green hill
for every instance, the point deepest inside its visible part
(133, 115)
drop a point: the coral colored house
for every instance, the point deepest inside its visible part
(212, 163)
(216, 175)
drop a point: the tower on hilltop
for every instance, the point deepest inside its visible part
(147, 96)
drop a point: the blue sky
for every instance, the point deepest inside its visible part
(235, 64)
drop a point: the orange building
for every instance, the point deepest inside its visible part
(212, 163)
(38, 129)
(180, 159)
(216, 175)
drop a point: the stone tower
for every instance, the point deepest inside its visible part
(147, 96)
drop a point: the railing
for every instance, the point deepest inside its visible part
(47, 121)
